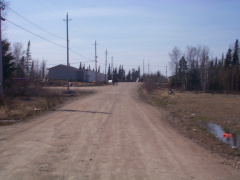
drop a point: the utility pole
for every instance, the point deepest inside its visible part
(166, 74)
(106, 68)
(148, 67)
(67, 53)
(2, 7)
(143, 67)
(96, 61)
(112, 68)
(143, 71)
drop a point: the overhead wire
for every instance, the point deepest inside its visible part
(35, 24)
(54, 4)
(57, 5)
(80, 62)
(49, 9)
(90, 60)
(46, 39)
(35, 34)
(80, 54)
(74, 62)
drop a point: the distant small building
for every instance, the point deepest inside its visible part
(59, 72)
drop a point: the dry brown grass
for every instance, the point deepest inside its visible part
(22, 107)
(219, 108)
(184, 110)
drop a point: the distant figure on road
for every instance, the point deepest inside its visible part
(116, 81)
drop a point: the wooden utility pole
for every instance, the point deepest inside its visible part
(67, 53)
(143, 67)
(148, 67)
(166, 74)
(2, 6)
(112, 68)
(96, 61)
(106, 68)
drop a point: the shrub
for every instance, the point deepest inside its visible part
(150, 84)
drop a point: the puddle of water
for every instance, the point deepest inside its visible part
(218, 131)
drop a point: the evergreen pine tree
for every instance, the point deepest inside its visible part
(32, 72)
(28, 59)
(228, 59)
(20, 71)
(8, 64)
(123, 74)
(227, 70)
(129, 76)
(235, 67)
(235, 57)
(109, 72)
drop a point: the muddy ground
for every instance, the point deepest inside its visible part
(186, 109)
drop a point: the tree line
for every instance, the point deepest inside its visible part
(118, 73)
(121, 75)
(18, 63)
(194, 70)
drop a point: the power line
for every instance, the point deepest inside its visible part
(76, 62)
(55, 4)
(101, 62)
(77, 59)
(126, 65)
(157, 66)
(36, 34)
(47, 39)
(80, 62)
(80, 54)
(34, 24)
(60, 7)
(49, 9)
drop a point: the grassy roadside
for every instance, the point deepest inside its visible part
(187, 109)
(18, 108)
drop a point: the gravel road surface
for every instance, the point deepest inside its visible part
(106, 136)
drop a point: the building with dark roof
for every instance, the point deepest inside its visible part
(59, 72)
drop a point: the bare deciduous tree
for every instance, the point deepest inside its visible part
(18, 51)
(43, 69)
(204, 63)
(175, 56)
(192, 56)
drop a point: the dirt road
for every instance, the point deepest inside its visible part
(109, 135)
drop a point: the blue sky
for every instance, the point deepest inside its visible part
(131, 30)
